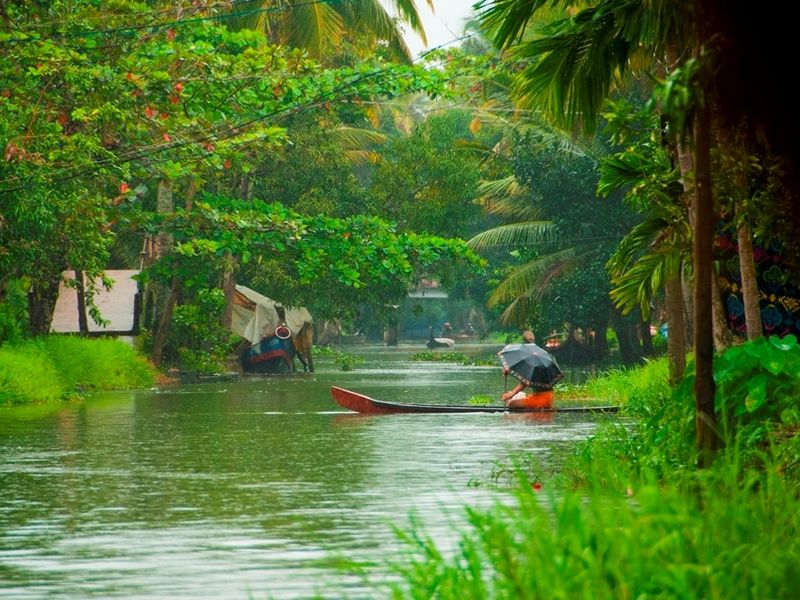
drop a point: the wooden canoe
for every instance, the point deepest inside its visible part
(366, 405)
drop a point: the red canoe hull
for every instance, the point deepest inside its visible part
(366, 405)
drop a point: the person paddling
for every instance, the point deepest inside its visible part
(542, 396)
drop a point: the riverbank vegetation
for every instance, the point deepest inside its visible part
(627, 515)
(62, 367)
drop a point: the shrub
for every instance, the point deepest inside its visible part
(197, 340)
(14, 312)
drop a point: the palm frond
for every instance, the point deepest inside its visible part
(532, 279)
(496, 189)
(526, 233)
(361, 157)
(507, 199)
(356, 138)
(572, 71)
(371, 16)
(634, 244)
(314, 26)
(638, 285)
(506, 20)
(407, 10)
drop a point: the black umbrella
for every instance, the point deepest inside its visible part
(532, 365)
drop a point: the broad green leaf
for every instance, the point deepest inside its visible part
(757, 393)
(786, 343)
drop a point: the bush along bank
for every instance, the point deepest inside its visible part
(55, 368)
(629, 515)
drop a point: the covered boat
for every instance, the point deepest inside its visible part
(274, 333)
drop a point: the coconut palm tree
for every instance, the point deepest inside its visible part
(573, 67)
(319, 26)
(656, 252)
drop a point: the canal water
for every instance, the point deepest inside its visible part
(255, 488)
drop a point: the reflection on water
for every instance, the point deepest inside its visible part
(247, 488)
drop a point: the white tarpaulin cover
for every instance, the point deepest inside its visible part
(254, 316)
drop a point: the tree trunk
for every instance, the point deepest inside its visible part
(676, 332)
(734, 145)
(160, 338)
(686, 162)
(747, 268)
(42, 303)
(228, 288)
(646, 338)
(600, 344)
(628, 351)
(705, 416)
(391, 333)
(687, 288)
(165, 204)
(83, 323)
(164, 298)
(722, 335)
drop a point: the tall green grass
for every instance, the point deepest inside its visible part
(713, 541)
(629, 515)
(59, 367)
(628, 387)
(27, 374)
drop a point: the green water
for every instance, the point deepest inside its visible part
(249, 488)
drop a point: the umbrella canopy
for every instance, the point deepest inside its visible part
(532, 365)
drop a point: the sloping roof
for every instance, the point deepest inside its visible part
(116, 305)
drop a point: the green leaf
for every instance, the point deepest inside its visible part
(757, 393)
(774, 362)
(786, 343)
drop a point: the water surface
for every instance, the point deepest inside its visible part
(247, 488)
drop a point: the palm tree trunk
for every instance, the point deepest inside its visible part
(600, 342)
(390, 333)
(722, 335)
(733, 143)
(688, 307)
(165, 298)
(705, 417)
(686, 162)
(676, 334)
(747, 268)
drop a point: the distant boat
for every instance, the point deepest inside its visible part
(440, 342)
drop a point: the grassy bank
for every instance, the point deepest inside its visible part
(60, 367)
(629, 515)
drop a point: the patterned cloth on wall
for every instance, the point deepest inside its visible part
(778, 288)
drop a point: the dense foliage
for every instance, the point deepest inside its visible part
(107, 128)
